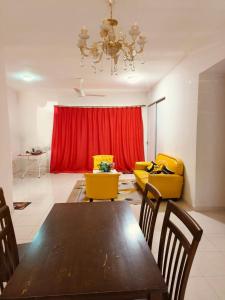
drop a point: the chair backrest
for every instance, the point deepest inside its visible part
(177, 250)
(99, 158)
(9, 258)
(172, 163)
(149, 212)
(102, 185)
(2, 198)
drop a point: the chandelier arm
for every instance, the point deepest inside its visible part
(82, 50)
(99, 59)
(129, 45)
(129, 52)
(140, 50)
(132, 46)
(128, 57)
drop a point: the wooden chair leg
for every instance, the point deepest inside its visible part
(91, 200)
(112, 199)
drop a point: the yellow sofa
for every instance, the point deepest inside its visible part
(97, 159)
(101, 186)
(169, 185)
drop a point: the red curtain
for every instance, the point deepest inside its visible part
(80, 133)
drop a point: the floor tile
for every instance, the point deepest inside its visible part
(210, 263)
(199, 289)
(218, 241)
(218, 284)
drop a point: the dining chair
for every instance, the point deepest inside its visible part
(10, 253)
(149, 211)
(177, 249)
(9, 258)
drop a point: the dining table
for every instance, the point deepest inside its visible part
(88, 251)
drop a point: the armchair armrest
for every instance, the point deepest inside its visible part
(141, 165)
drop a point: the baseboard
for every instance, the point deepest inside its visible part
(209, 208)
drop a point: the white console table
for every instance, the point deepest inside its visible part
(32, 161)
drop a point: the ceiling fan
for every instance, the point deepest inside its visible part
(81, 93)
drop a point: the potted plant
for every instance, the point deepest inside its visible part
(105, 166)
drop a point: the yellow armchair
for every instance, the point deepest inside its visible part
(101, 186)
(169, 185)
(98, 158)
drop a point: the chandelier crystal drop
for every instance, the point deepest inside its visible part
(113, 46)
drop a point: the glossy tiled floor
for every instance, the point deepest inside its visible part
(207, 280)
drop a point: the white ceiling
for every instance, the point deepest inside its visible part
(40, 37)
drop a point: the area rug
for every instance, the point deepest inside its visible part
(20, 205)
(128, 191)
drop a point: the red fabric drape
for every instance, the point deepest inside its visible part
(80, 133)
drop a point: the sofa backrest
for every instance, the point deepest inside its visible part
(174, 164)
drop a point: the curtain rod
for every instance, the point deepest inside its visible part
(157, 101)
(89, 106)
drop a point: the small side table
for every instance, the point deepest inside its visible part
(31, 161)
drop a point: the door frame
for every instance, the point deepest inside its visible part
(156, 122)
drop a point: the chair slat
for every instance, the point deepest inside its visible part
(171, 260)
(175, 268)
(180, 275)
(149, 212)
(167, 253)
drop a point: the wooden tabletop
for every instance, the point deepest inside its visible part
(88, 251)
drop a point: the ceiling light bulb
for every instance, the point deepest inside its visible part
(26, 76)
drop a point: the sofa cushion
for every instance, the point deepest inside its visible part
(173, 164)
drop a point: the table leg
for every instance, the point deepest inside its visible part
(27, 167)
(39, 168)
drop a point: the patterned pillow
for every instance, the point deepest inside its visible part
(154, 168)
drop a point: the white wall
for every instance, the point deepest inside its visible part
(14, 122)
(178, 118)
(5, 152)
(36, 111)
(210, 164)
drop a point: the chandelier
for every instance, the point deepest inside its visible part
(113, 45)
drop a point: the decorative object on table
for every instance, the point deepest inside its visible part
(105, 166)
(113, 45)
(34, 151)
(127, 190)
(97, 159)
(20, 205)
